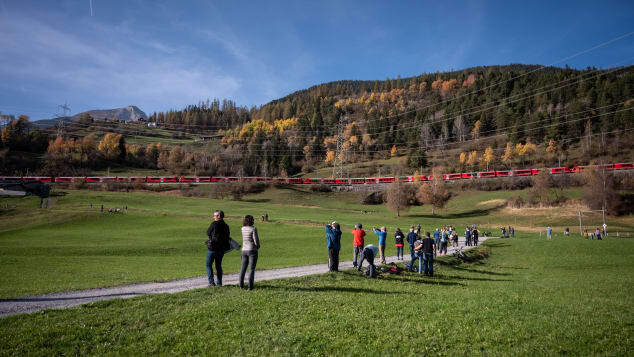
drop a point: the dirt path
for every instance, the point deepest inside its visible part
(79, 297)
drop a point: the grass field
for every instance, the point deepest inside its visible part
(530, 297)
(72, 246)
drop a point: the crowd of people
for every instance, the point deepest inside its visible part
(420, 248)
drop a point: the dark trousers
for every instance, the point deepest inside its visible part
(249, 258)
(333, 259)
(214, 257)
(369, 256)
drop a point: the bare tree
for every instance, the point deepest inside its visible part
(397, 198)
(599, 192)
(434, 193)
(426, 135)
(459, 129)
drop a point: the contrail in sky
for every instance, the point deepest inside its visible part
(91, 8)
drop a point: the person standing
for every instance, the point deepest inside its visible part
(429, 251)
(443, 241)
(474, 236)
(437, 238)
(358, 241)
(598, 233)
(218, 233)
(412, 236)
(418, 249)
(369, 252)
(382, 234)
(549, 233)
(333, 240)
(250, 246)
(398, 242)
(467, 236)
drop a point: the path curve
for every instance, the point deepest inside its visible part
(63, 300)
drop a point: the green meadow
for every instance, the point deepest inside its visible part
(73, 246)
(528, 297)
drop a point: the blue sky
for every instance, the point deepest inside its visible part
(162, 55)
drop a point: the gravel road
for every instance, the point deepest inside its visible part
(63, 300)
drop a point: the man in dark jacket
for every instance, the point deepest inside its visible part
(333, 241)
(218, 233)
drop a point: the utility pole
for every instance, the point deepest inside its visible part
(337, 167)
(60, 124)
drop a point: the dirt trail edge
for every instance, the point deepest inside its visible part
(62, 300)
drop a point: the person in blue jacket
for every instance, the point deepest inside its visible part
(382, 237)
(333, 241)
(437, 238)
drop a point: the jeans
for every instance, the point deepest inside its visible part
(249, 258)
(214, 257)
(357, 255)
(411, 251)
(333, 259)
(428, 261)
(418, 256)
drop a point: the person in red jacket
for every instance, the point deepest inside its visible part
(357, 243)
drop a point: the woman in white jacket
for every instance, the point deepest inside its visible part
(250, 246)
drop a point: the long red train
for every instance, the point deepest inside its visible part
(313, 181)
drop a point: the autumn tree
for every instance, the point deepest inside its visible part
(434, 192)
(507, 157)
(475, 132)
(488, 157)
(109, 146)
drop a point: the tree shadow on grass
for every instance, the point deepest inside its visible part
(329, 288)
(257, 200)
(466, 214)
(405, 277)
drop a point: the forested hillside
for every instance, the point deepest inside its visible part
(476, 118)
(521, 114)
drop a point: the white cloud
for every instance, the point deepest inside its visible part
(102, 65)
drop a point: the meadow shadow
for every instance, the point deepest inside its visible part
(257, 200)
(466, 214)
(329, 288)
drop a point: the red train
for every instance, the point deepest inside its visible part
(314, 181)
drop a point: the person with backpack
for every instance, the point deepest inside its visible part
(382, 234)
(369, 253)
(250, 246)
(333, 241)
(218, 243)
(398, 242)
(412, 236)
(358, 241)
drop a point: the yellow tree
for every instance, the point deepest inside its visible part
(330, 156)
(552, 149)
(473, 158)
(109, 146)
(507, 158)
(475, 132)
(393, 151)
(488, 157)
